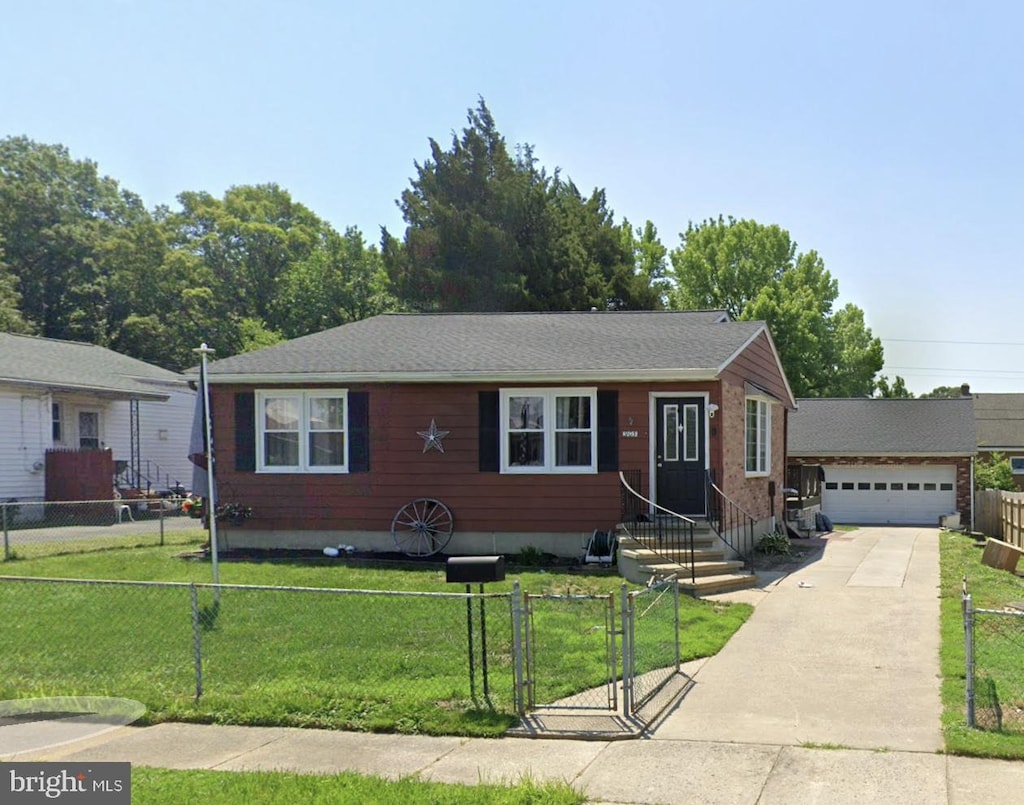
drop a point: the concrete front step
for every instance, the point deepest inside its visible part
(646, 555)
(699, 541)
(700, 569)
(709, 585)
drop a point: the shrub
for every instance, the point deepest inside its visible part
(774, 543)
(994, 473)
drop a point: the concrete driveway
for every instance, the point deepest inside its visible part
(845, 652)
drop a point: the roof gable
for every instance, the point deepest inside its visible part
(882, 427)
(999, 420)
(514, 346)
(73, 366)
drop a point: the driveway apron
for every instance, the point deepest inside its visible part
(844, 652)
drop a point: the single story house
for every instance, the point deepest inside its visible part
(518, 423)
(999, 420)
(899, 461)
(76, 419)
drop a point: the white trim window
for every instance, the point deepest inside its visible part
(758, 436)
(57, 419)
(1017, 465)
(549, 430)
(301, 431)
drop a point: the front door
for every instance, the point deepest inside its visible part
(680, 458)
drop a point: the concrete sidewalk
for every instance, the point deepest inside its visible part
(829, 694)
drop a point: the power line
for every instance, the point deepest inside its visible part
(959, 343)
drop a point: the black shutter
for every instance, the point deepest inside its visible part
(489, 435)
(359, 431)
(245, 431)
(607, 431)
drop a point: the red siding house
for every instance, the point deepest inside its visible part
(519, 423)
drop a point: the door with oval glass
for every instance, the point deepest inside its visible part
(680, 458)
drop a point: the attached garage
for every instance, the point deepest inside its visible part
(908, 494)
(887, 461)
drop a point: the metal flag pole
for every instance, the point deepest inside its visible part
(211, 512)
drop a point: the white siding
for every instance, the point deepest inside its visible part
(164, 429)
(25, 429)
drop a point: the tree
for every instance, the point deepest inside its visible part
(11, 320)
(341, 281)
(56, 215)
(488, 229)
(650, 257)
(897, 390)
(994, 472)
(753, 272)
(945, 392)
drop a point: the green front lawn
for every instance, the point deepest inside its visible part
(308, 658)
(989, 589)
(166, 787)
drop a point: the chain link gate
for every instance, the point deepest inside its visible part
(575, 672)
(635, 633)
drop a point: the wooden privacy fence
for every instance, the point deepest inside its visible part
(1000, 514)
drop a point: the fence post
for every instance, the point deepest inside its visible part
(7, 543)
(969, 654)
(197, 640)
(675, 603)
(517, 651)
(613, 677)
(160, 508)
(627, 653)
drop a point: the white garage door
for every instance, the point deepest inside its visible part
(900, 493)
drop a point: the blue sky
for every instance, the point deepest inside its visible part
(885, 136)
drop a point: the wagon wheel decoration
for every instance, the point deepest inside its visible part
(422, 527)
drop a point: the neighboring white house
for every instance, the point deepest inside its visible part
(74, 396)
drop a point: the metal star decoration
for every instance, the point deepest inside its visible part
(432, 437)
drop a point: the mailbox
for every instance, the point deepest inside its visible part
(472, 569)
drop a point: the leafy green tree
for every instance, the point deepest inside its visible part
(341, 281)
(897, 389)
(650, 257)
(753, 272)
(944, 392)
(994, 472)
(56, 215)
(488, 229)
(11, 320)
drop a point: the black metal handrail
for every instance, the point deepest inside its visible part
(133, 478)
(734, 526)
(665, 532)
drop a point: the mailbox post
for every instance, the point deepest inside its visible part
(470, 570)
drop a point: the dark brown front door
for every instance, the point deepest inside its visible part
(680, 457)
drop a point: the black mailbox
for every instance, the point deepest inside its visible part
(471, 569)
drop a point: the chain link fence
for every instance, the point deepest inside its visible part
(33, 529)
(348, 659)
(570, 647)
(651, 654)
(345, 659)
(994, 641)
(582, 651)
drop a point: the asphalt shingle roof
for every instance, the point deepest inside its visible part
(512, 343)
(879, 427)
(56, 364)
(999, 419)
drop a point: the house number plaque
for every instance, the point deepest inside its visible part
(630, 434)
